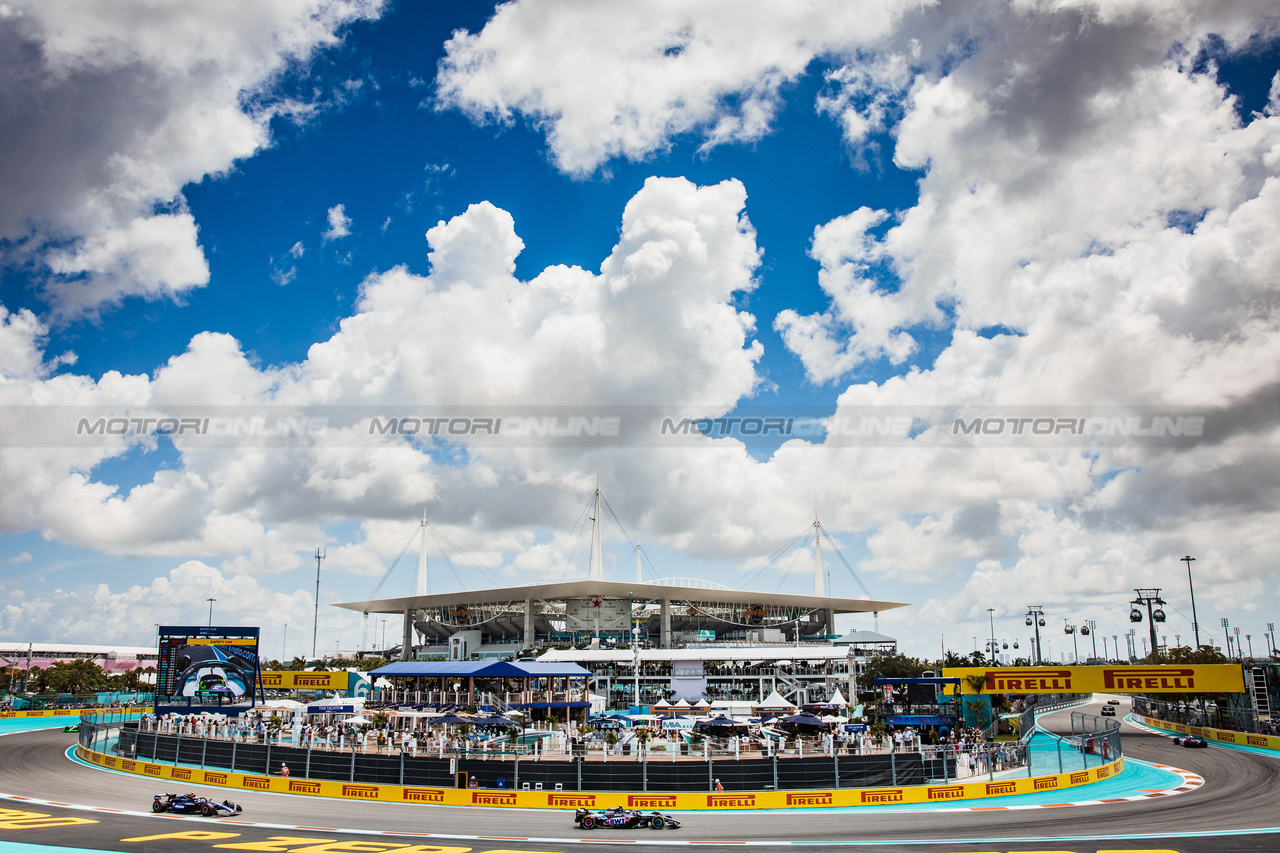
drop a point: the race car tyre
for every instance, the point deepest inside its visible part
(588, 822)
(156, 807)
(657, 822)
(206, 810)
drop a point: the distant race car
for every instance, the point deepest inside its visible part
(1108, 711)
(193, 804)
(620, 818)
(75, 727)
(1191, 742)
(1113, 701)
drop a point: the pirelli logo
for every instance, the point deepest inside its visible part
(128, 766)
(1180, 729)
(571, 800)
(947, 792)
(215, 778)
(257, 783)
(491, 798)
(423, 795)
(151, 769)
(299, 786)
(1143, 678)
(272, 679)
(109, 761)
(809, 799)
(882, 795)
(641, 801)
(1028, 680)
(1227, 737)
(360, 792)
(318, 680)
(1081, 778)
(994, 788)
(735, 801)
(1256, 740)
(1047, 783)
(181, 774)
(1104, 772)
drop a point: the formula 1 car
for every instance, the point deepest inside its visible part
(620, 818)
(1191, 742)
(74, 727)
(193, 804)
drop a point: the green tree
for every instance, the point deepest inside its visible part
(891, 666)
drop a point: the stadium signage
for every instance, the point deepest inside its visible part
(1045, 783)
(287, 680)
(637, 801)
(256, 782)
(423, 795)
(809, 799)
(947, 792)
(486, 798)
(180, 774)
(150, 769)
(736, 801)
(298, 786)
(885, 795)
(1189, 678)
(572, 800)
(360, 792)
(215, 778)
(997, 788)
(1079, 778)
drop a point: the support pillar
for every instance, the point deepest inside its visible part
(528, 624)
(666, 624)
(406, 645)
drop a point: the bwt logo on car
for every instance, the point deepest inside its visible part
(948, 792)
(486, 799)
(889, 795)
(570, 800)
(1137, 678)
(360, 792)
(297, 786)
(256, 783)
(1022, 680)
(1045, 784)
(739, 801)
(215, 778)
(813, 799)
(637, 801)
(994, 788)
(423, 795)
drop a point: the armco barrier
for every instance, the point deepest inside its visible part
(67, 712)
(1219, 735)
(842, 798)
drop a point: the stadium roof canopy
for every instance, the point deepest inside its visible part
(638, 592)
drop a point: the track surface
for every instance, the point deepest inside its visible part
(1241, 793)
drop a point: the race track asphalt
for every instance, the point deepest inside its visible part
(1238, 808)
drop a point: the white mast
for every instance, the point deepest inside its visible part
(638, 580)
(596, 572)
(818, 588)
(422, 556)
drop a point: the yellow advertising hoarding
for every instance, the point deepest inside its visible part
(1159, 678)
(289, 680)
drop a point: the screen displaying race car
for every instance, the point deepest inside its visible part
(207, 664)
(620, 818)
(193, 804)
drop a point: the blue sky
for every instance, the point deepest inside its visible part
(863, 210)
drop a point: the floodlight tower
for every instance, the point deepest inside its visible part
(1035, 617)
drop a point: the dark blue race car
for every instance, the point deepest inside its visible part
(193, 804)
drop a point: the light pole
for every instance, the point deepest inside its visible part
(991, 620)
(1115, 642)
(1271, 641)
(1035, 617)
(1249, 637)
(1195, 625)
(1239, 648)
(211, 601)
(1226, 629)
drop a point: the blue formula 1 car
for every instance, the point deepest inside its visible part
(193, 804)
(620, 818)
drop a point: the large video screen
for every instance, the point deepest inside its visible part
(202, 665)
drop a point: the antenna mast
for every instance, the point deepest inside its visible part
(315, 624)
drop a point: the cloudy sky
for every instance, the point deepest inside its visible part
(1016, 260)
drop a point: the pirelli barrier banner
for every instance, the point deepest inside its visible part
(489, 798)
(1218, 735)
(289, 680)
(1163, 678)
(66, 712)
